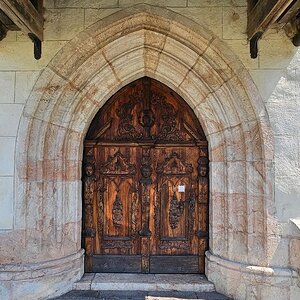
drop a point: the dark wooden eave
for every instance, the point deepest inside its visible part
(262, 14)
(26, 16)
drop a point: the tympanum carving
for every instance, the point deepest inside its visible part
(169, 130)
(126, 128)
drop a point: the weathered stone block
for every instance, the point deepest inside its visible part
(9, 119)
(274, 292)
(211, 17)
(234, 23)
(63, 24)
(24, 84)
(93, 15)
(284, 117)
(170, 3)
(86, 3)
(49, 3)
(294, 249)
(295, 292)
(266, 81)
(7, 154)
(286, 156)
(22, 37)
(280, 255)
(287, 197)
(6, 202)
(217, 3)
(241, 49)
(19, 55)
(11, 36)
(7, 86)
(276, 54)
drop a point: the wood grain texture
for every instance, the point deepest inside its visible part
(174, 264)
(116, 263)
(146, 181)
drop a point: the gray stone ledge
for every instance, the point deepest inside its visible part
(251, 269)
(29, 271)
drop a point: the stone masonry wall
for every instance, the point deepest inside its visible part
(278, 85)
(276, 72)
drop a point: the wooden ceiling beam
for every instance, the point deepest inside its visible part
(7, 22)
(24, 15)
(264, 14)
(261, 17)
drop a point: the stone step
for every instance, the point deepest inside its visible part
(140, 295)
(144, 282)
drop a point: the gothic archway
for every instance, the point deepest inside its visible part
(136, 42)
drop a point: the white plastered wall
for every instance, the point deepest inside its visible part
(276, 73)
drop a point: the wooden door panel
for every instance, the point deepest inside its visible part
(173, 209)
(145, 184)
(117, 263)
(175, 220)
(167, 264)
(118, 199)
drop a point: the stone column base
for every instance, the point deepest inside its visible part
(40, 280)
(241, 281)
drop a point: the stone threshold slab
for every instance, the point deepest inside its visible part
(144, 282)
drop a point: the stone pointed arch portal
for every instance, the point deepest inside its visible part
(136, 42)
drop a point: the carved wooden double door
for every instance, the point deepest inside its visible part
(145, 184)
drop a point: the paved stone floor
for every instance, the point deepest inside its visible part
(140, 295)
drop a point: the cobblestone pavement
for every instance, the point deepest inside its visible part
(140, 295)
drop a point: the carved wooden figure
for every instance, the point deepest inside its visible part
(145, 184)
